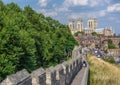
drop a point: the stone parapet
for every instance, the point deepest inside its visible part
(38, 77)
(50, 76)
(62, 74)
(20, 78)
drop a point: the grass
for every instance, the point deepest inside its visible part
(102, 72)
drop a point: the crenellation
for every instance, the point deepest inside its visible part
(71, 71)
(74, 67)
(62, 74)
(20, 78)
(77, 65)
(50, 76)
(38, 77)
(66, 72)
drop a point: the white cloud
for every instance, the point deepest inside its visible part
(83, 15)
(72, 3)
(94, 3)
(52, 14)
(42, 3)
(48, 12)
(62, 9)
(95, 14)
(114, 8)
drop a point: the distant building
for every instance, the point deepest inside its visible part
(108, 32)
(92, 26)
(90, 41)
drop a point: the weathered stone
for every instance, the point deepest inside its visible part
(60, 77)
(66, 72)
(62, 74)
(75, 52)
(74, 67)
(20, 78)
(50, 76)
(39, 77)
(70, 74)
(77, 65)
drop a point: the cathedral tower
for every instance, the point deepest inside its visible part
(80, 24)
(71, 24)
(92, 24)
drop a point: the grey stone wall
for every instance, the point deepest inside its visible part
(51, 76)
(20, 78)
(38, 77)
(62, 74)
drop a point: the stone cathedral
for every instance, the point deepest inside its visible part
(92, 26)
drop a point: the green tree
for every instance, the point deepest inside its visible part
(110, 44)
(30, 40)
(94, 34)
(79, 33)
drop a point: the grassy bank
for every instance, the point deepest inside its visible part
(103, 73)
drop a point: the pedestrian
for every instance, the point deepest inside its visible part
(84, 63)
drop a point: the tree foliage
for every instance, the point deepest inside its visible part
(110, 44)
(94, 34)
(79, 33)
(30, 40)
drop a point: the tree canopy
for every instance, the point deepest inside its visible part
(110, 44)
(30, 40)
(94, 34)
(79, 33)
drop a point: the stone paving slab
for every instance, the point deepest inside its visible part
(78, 78)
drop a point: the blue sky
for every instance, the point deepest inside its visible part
(106, 11)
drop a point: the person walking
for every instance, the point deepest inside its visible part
(84, 63)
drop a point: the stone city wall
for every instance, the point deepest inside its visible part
(62, 74)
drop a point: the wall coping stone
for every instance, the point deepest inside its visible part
(17, 78)
(38, 72)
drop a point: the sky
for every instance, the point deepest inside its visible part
(106, 11)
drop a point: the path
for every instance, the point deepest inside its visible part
(78, 78)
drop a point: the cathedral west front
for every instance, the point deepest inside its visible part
(92, 26)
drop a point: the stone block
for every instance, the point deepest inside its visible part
(50, 76)
(66, 72)
(70, 74)
(73, 67)
(60, 76)
(20, 78)
(39, 77)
